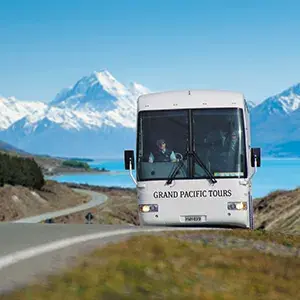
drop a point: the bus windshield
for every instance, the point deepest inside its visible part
(215, 135)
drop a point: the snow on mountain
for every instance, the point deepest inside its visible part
(12, 110)
(97, 112)
(97, 117)
(99, 91)
(101, 99)
(94, 101)
(137, 89)
(68, 119)
(276, 120)
(282, 104)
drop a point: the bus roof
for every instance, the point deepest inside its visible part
(191, 99)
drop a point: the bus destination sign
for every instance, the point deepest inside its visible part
(192, 194)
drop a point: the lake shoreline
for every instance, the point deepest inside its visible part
(96, 188)
(273, 174)
(61, 171)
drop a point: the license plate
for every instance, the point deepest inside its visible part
(195, 218)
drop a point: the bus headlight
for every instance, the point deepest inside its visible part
(148, 208)
(237, 205)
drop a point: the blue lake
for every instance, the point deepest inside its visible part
(272, 175)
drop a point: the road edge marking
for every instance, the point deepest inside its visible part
(24, 254)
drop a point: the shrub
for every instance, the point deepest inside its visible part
(20, 171)
(75, 164)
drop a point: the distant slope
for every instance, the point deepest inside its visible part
(9, 148)
(49, 165)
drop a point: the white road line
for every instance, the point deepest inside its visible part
(15, 257)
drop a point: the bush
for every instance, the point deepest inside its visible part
(20, 171)
(76, 164)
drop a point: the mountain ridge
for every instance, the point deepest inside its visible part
(98, 111)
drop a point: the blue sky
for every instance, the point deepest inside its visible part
(249, 46)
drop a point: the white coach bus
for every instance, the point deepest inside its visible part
(194, 162)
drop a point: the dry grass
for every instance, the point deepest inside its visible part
(155, 267)
(18, 202)
(120, 208)
(237, 264)
(279, 212)
(267, 242)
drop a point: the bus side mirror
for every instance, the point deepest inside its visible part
(129, 158)
(255, 155)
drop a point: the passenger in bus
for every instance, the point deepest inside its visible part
(222, 146)
(162, 153)
(225, 138)
(232, 136)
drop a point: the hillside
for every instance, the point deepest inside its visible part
(5, 147)
(24, 191)
(277, 212)
(52, 165)
(17, 202)
(56, 166)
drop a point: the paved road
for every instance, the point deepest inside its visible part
(97, 199)
(31, 251)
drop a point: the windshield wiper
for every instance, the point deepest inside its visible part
(198, 160)
(177, 168)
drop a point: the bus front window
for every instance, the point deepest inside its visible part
(162, 142)
(220, 142)
(211, 144)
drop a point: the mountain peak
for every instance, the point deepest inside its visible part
(98, 111)
(137, 89)
(103, 72)
(289, 99)
(100, 91)
(282, 103)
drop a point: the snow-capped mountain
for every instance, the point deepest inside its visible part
(276, 120)
(97, 112)
(137, 89)
(281, 104)
(94, 101)
(12, 110)
(101, 99)
(97, 117)
(99, 91)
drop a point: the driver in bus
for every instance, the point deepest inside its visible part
(162, 154)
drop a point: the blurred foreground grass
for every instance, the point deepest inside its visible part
(161, 267)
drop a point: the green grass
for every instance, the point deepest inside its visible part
(156, 267)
